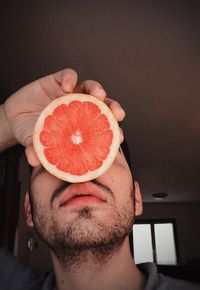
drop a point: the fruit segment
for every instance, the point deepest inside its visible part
(77, 136)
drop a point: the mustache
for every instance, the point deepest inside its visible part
(58, 192)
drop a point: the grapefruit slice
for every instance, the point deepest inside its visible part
(76, 137)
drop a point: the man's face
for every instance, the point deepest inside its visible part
(84, 214)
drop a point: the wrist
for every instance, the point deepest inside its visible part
(6, 136)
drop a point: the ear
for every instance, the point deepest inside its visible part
(138, 200)
(27, 209)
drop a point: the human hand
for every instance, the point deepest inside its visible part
(23, 107)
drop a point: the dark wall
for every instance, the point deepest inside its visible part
(152, 45)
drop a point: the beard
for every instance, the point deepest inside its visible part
(85, 239)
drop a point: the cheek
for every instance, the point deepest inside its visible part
(121, 181)
(123, 196)
(122, 185)
(43, 186)
(40, 197)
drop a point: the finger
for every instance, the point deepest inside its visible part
(121, 135)
(92, 88)
(31, 156)
(116, 108)
(67, 78)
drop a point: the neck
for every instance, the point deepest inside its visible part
(118, 272)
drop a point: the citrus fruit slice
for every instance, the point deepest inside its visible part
(76, 137)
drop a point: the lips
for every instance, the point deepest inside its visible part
(82, 192)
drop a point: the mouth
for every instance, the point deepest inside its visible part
(82, 193)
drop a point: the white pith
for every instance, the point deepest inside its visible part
(77, 138)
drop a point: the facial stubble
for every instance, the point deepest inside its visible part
(85, 239)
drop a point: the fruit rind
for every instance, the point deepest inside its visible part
(39, 148)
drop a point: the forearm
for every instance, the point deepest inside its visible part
(6, 138)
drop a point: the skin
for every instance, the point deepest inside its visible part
(96, 232)
(90, 221)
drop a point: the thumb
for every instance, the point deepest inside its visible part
(31, 156)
